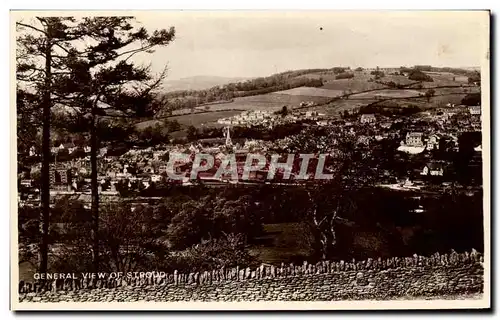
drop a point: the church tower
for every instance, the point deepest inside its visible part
(229, 143)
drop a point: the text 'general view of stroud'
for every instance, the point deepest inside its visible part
(294, 169)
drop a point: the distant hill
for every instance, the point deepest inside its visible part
(200, 82)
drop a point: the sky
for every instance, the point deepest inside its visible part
(252, 44)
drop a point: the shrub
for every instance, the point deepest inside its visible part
(228, 251)
(345, 76)
(378, 74)
(472, 99)
(418, 75)
(338, 70)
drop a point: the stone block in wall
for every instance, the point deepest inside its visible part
(474, 254)
(275, 270)
(466, 257)
(335, 266)
(369, 263)
(452, 257)
(176, 277)
(360, 265)
(383, 264)
(326, 266)
(361, 279)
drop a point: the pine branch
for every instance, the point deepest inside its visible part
(31, 27)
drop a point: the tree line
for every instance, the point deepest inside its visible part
(83, 64)
(190, 99)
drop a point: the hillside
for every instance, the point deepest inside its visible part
(199, 82)
(322, 89)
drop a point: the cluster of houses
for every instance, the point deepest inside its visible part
(306, 104)
(69, 148)
(141, 168)
(268, 119)
(247, 118)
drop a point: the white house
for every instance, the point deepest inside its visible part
(475, 110)
(322, 122)
(71, 148)
(414, 139)
(432, 169)
(368, 118)
(386, 125)
(156, 178)
(26, 182)
(433, 142)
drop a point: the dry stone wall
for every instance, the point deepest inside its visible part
(325, 281)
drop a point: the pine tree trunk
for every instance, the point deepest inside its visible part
(94, 145)
(45, 171)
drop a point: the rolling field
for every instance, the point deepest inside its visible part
(444, 79)
(269, 102)
(352, 84)
(314, 92)
(333, 109)
(326, 75)
(200, 119)
(358, 83)
(386, 93)
(197, 119)
(448, 76)
(449, 98)
(148, 123)
(397, 79)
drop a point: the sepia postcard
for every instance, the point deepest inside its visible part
(250, 160)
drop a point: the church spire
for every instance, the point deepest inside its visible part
(228, 137)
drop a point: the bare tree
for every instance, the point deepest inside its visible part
(331, 199)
